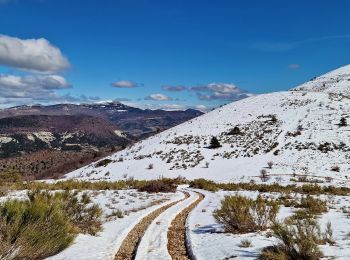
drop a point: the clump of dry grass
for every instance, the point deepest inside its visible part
(297, 240)
(240, 214)
(160, 185)
(44, 224)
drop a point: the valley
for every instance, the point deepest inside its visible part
(49, 141)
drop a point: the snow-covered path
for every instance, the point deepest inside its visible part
(105, 245)
(153, 245)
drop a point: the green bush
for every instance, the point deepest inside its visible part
(44, 225)
(299, 240)
(33, 229)
(240, 214)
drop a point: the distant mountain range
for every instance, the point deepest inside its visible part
(135, 121)
(69, 128)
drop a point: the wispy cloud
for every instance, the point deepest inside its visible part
(125, 84)
(294, 66)
(158, 97)
(286, 46)
(173, 88)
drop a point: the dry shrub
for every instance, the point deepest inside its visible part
(204, 184)
(299, 240)
(245, 243)
(313, 205)
(160, 185)
(103, 162)
(8, 177)
(240, 214)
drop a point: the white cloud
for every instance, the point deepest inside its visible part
(223, 91)
(172, 107)
(224, 88)
(201, 108)
(31, 87)
(158, 97)
(166, 106)
(124, 84)
(37, 55)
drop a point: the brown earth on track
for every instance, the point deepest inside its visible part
(127, 250)
(177, 233)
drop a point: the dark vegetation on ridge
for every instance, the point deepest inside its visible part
(49, 141)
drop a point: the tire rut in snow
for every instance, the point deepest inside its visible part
(127, 250)
(177, 232)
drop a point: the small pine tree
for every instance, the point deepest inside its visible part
(214, 143)
(235, 131)
(343, 122)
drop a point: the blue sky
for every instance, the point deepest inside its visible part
(206, 50)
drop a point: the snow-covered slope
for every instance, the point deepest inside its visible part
(336, 81)
(299, 131)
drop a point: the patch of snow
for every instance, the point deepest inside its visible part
(6, 139)
(207, 240)
(119, 133)
(44, 136)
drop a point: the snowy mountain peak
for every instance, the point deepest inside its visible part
(336, 81)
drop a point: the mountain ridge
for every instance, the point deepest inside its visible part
(336, 81)
(299, 131)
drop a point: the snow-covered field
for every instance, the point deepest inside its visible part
(207, 240)
(205, 237)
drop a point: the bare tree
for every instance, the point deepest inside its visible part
(263, 175)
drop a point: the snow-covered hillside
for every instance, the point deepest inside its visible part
(336, 81)
(303, 132)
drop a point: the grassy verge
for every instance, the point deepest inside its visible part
(158, 185)
(312, 189)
